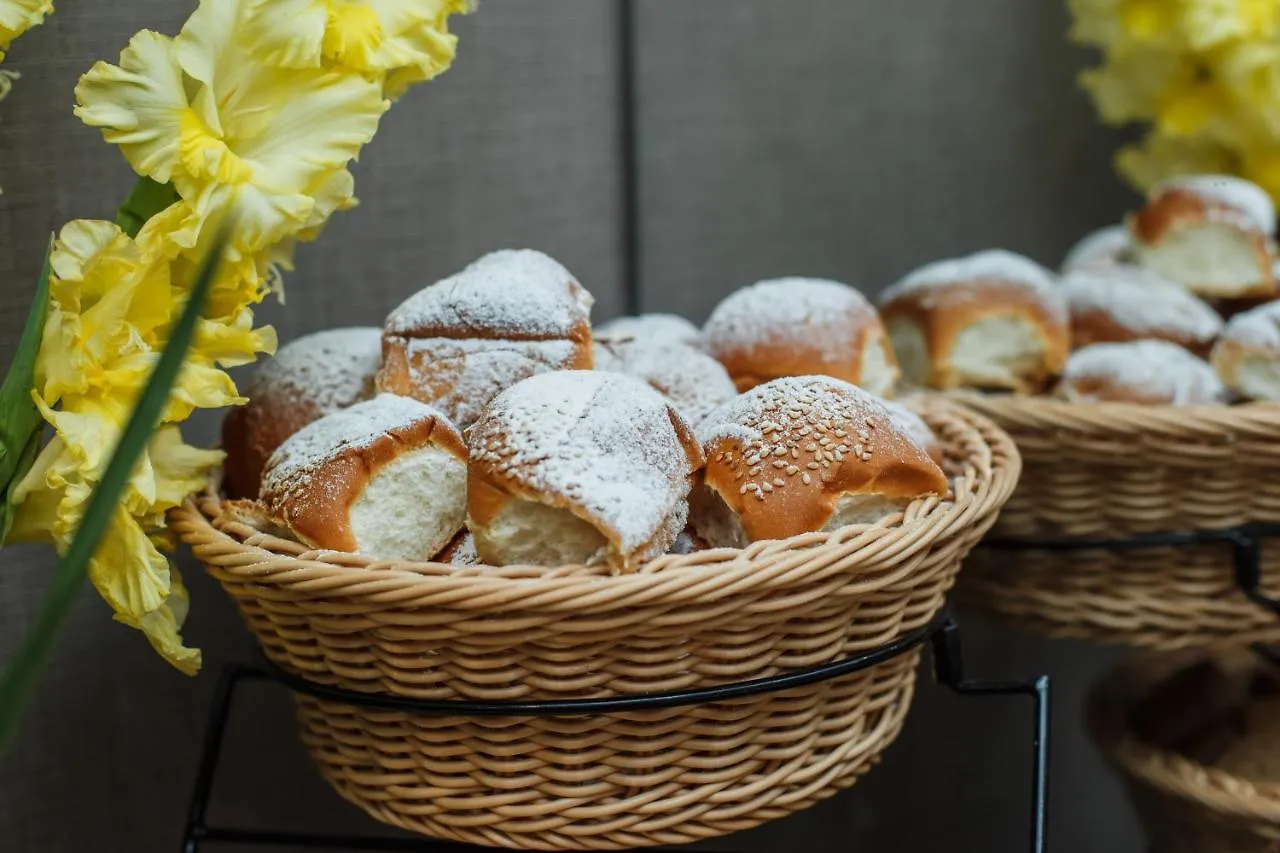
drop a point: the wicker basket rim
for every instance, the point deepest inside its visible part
(1170, 772)
(989, 479)
(1260, 418)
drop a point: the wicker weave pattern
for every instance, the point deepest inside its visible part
(1185, 807)
(1111, 471)
(673, 776)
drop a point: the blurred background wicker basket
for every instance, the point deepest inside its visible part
(1185, 805)
(1114, 471)
(435, 632)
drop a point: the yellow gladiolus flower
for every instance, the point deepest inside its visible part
(1207, 23)
(229, 131)
(405, 41)
(1136, 81)
(18, 16)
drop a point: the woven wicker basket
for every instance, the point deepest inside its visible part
(1113, 471)
(627, 779)
(1184, 806)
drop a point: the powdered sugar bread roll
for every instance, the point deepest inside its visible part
(461, 551)
(992, 320)
(1124, 303)
(308, 378)
(1211, 234)
(692, 380)
(803, 454)
(1247, 356)
(460, 342)
(1147, 372)
(1105, 247)
(385, 478)
(651, 328)
(797, 327)
(579, 468)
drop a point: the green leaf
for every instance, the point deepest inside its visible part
(19, 417)
(147, 199)
(25, 460)
(20, 677)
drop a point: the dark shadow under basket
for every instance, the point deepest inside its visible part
(1114, 471)
(627, 779)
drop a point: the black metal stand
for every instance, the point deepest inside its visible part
(943, 634)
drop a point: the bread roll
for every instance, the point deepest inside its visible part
(1106, 247)
(460, 342)
(992, 320)
(802, 454)
(801, 326)
(1247, 356)
(1209, 233)
(1149, 372)
(308, 378)
(692, 380)
(385, 478)
(461, 551)
(651, 328)
(579, 468)
(1123, 303)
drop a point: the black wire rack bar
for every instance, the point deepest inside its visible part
(1245, 542)
(942, 634)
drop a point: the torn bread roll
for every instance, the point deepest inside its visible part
(1247, 356)
(692, 380)
(309, 378)
(801, 326)
(1145, 372)
(1209, 233)
(1123, 303)
(651, 328)
(460, 342)
(386, 479)
(579, 468)
(992, 320)
(1106, 247)
(803, 454)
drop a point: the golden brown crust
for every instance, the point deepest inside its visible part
(941, 314)
(785, 458)
(314, 499)
(767, 360)
(1175, 208)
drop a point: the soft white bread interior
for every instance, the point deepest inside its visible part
(309, 378)
(1146, 372)
(991, 320)
(460, 342)
(579, 468)
(803, 454)
(798, 327)
(1247, 356)
(385, 478)
(1211, 234)
(692, 380)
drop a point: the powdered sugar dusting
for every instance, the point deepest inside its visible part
(1228, 190)
(298, 459)
(322, 372)
(511, 293)
(651, 328)
(790, 431)
(1104, 247)
(1156, 369)
(1257, 327)
(694, 381)
(462, 376)
(1142, 301)
(602, 441)
(804, 312)
(951, 277)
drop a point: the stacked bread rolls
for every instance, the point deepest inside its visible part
(487, 423)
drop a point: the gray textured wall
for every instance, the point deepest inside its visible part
(850, 138)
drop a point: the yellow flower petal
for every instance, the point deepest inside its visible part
(127, 570)
(162, 627)
(18, 16)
